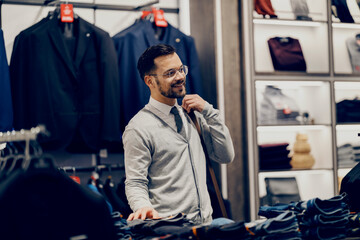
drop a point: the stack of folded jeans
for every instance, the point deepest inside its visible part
(345, 154)
(348, 155)
(318, 219)
(274, 156)
(231, 231)
(353, 228)
(283, 226)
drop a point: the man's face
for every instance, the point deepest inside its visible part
(169, 86)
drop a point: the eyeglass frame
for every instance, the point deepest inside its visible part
(185, 72)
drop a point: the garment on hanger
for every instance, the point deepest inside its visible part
(74, 93)
(130, 44)
(277, 108)
(6, 110)
(286, 54)
(300, 9)
(342, 11)
(353, 47)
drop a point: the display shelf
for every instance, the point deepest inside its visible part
(283, 9)
(342, 62)
(346, 90)
(347, 133)
(318, 42)
(299, 95)
(316, 134)
(289, 22)
(313, 90)
(322, 189)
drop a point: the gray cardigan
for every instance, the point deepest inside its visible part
(168, 172)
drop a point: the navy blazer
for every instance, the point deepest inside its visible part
(6, 111)
(130, 44)
(71, 94)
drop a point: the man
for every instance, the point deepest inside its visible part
(165, 163)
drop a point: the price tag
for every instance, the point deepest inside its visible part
(159, 18)
(66, 13)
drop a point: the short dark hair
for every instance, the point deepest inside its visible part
(146, 61)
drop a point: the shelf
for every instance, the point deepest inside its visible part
(322, 189)
(285, 22)
(291, 170)
(292, 84)
(294, 128)
(277, 75)
(346, 25)
(353, 127)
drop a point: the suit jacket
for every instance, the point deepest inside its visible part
(6, 111)
(68, 93)
(130, 44)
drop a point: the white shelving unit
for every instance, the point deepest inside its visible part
(327, 80)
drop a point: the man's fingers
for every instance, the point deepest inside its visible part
(155, 214)
(143, 215)
(131, 217)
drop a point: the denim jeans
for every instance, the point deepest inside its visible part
(283, 236)
(333, 206)
(284, 223)
(229, 231)
(274, 211)
(324, 233)
(323, 220)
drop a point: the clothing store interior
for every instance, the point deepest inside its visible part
(272, 140)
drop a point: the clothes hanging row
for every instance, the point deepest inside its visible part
(94, 6)
(84, 87)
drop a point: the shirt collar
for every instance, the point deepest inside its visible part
(162, 107)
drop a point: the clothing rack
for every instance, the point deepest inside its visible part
(98, 168)
(94, 6)
(23, 135)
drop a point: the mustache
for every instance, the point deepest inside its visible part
(178, 82)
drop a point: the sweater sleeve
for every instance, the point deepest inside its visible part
(137, 162)
(216, 135)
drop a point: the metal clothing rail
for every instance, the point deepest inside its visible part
(94, 6)
(23, 135)
(98, 168)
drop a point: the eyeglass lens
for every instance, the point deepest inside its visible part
(183, 70)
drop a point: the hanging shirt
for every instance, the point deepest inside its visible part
(354, 54)
(130, 44)
(300, 9)
(6, 111)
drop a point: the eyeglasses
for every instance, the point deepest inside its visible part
(184, 70)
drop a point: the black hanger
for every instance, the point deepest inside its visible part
(16, 164)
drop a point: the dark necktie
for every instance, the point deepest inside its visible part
(178, 121)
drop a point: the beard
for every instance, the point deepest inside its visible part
(170, 93)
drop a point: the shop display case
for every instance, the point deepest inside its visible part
(287, 102)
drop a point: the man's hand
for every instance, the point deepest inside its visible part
(193, 102)
(143, 213)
